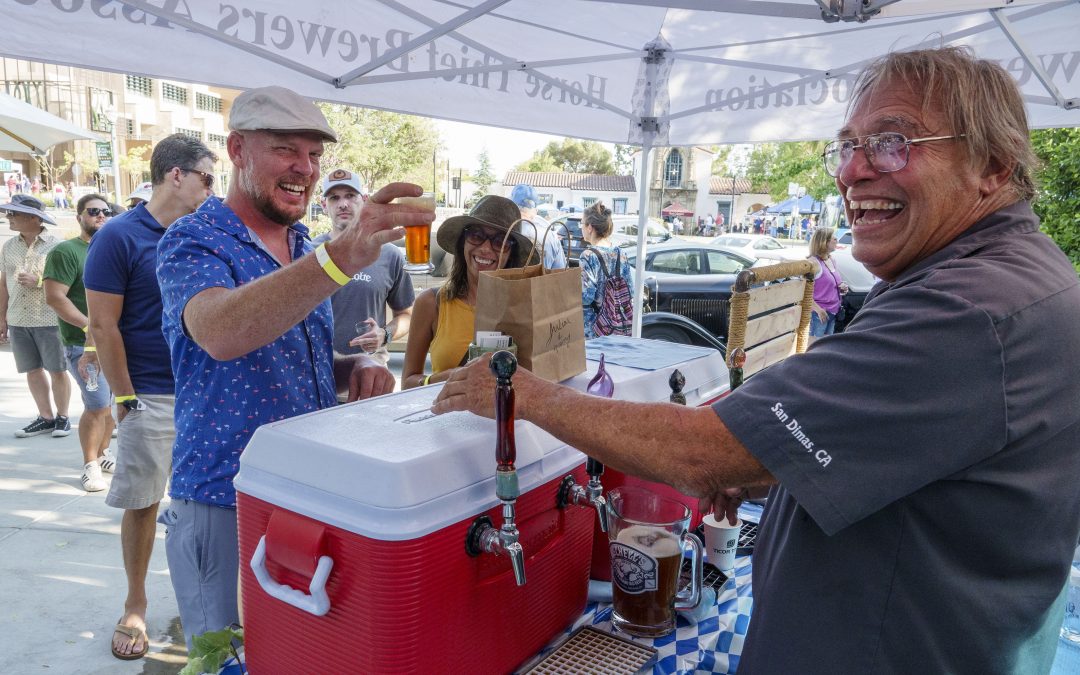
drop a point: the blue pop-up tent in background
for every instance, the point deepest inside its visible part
(807, 204)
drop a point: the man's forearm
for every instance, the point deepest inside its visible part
(399, 325)
(708, 457)
(66, 310)
(229, 323)
(112, 357)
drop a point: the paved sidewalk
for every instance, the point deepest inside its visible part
(62, 582)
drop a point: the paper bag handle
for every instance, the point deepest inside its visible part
(506, 237)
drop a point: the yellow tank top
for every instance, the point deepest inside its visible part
(453, 334)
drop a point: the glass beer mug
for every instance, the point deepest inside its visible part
(647, 534)
(418, 238)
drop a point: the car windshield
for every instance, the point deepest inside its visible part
(652, 229)
(768, 245)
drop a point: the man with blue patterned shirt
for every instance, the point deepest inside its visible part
(249, 327)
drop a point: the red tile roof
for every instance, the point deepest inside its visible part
(721, 185)
(574, 181)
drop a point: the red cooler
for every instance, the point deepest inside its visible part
(365, 508)
(641, 370)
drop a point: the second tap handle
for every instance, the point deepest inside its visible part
(594, 468)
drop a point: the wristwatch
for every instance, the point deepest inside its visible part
(133, 404)
(388, 335)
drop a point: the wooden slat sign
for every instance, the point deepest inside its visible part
(765, 328)
(765, 355)
(765, 298)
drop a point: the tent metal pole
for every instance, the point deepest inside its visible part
(643, 219)
(1035, 64)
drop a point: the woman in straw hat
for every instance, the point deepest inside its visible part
(442, 318)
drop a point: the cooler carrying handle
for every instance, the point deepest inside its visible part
(315, 601)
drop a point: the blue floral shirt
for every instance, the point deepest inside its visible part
(219, 404)
(591, 276)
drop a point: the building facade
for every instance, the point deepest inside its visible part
(577, 190)
(144, 110)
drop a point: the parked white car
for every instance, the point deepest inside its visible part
(759, 246)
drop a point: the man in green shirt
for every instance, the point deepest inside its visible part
(65, 293)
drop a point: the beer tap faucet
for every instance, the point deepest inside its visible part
(592, 494)
(483, 537)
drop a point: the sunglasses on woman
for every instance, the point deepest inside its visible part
(477, 236)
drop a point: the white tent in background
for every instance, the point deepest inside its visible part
(640, 72)
(25, 128)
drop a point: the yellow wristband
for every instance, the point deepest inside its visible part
(121, 399)
(427, 378)
(90, 349)
(40, 281)
(328, 265)
(86, 328)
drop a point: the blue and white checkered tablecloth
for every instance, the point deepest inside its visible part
(710, 645)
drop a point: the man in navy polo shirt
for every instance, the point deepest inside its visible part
(923, 464)
(125, 321)
(248, 321)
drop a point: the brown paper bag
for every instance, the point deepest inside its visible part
(541, 310)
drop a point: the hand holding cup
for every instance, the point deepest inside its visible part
(381, 222)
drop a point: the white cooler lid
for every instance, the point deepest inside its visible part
(387, 468)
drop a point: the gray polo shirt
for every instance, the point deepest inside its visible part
(367, 295)
(929, 459)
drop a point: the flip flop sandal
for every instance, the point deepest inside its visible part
(134, 634)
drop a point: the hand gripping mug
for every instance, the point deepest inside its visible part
(647, 534)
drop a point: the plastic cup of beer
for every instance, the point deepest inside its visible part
(418, 238)
(647, 534)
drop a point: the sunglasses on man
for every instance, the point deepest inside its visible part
(207, 178)
(886, 152)
(95, 212)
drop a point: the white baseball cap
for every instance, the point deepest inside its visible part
(144, 192)
(339, 177)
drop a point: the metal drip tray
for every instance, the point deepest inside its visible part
(595, 652)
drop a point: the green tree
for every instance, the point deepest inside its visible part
(571, 156)
(137, 163)
(482, 178)
(1058, 201)
(623, 161)
(380, 146)
(774, 165)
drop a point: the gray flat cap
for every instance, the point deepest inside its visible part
(278, 109)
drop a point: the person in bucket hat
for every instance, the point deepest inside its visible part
(28, 205)
(488, 238)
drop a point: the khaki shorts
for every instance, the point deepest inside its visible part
(144, 454)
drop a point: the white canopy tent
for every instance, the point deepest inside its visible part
(26, 128)
(641, 72)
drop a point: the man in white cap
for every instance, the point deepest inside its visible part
(31, 323)
(247, 318)
(140, 195)
(359, 307)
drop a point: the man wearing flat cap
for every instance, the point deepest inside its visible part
(28, 319)
(248, 322)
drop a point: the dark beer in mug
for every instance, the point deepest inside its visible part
(645, 566)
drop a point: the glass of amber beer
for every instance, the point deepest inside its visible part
(418, 238)
(647, 534)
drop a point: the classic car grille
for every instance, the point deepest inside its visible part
(712, 314)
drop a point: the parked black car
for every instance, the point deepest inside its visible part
(688, 289)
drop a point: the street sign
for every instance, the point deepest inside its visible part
(5, 165)
(104, 155)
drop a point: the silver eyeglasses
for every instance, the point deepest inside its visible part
(886, 152)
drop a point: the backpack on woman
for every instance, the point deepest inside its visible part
(614, 302)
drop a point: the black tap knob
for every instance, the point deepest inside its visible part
(503, 365)
(677, 381)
